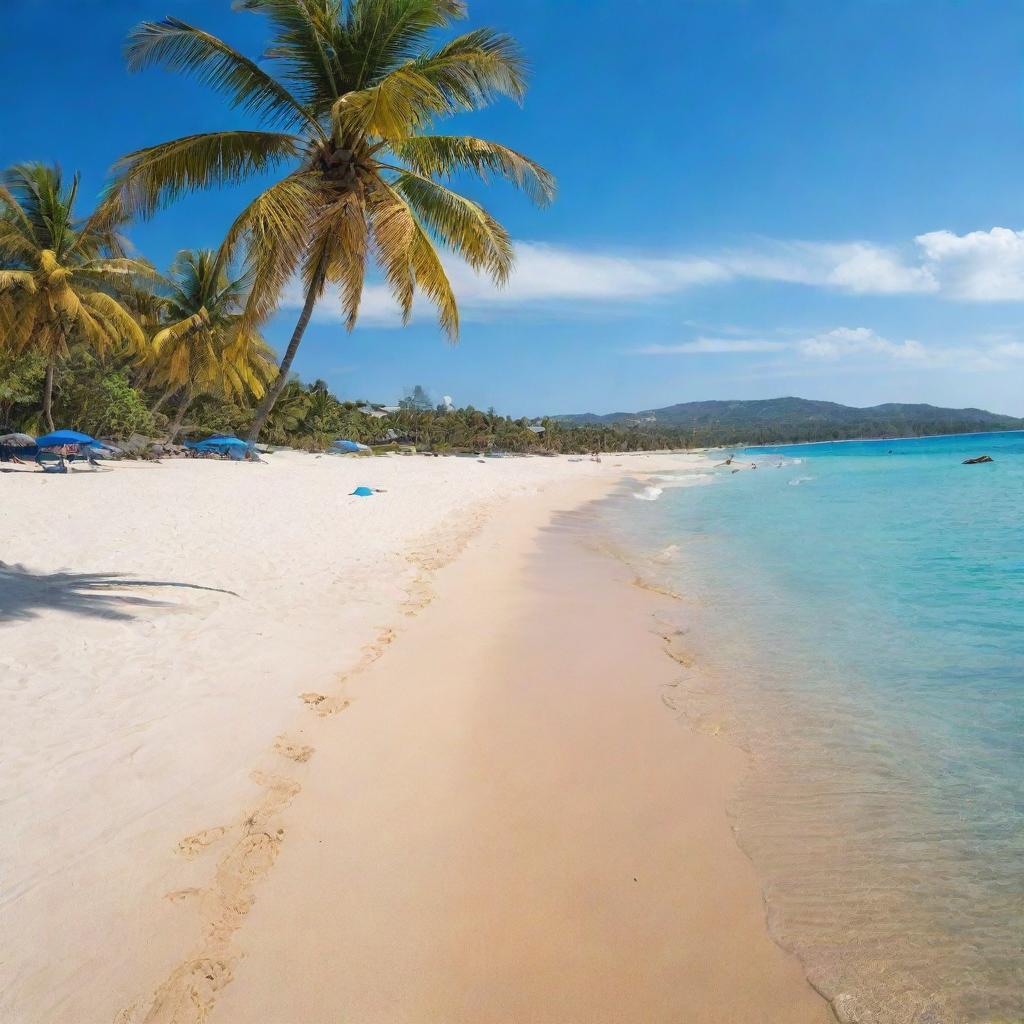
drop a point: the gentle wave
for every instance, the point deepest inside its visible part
(649, 493)
(667, 554)
(685, 479)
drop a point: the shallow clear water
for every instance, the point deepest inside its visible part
(852, 614)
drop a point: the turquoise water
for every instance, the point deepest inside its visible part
(853, 615)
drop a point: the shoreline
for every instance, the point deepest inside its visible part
(194, 908)
(470, 844)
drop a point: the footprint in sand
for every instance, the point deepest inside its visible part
(187, 996)
(280, 793)
(293, 751)
(325, 705)
(677, 653)
(384, 639)
(193, 845)
(180, 895)
(234, 891)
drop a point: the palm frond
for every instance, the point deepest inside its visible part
(475, 69)
(393, 109)
(392, 224)
(432, 278)
(178, 46)
(119, 273)
(464, 226)
(14, 210)
(15, 245)
(119, 324)
(276, 228)
(339, 251)
(177, 332)
(42, 203)
(248, 364)
(444, 155)
(153, 177)
(101, 230)
(409, 259)
(17, 281)
(381, 35)
(18, 321)
(305, 34)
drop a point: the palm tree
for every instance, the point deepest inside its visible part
(358, 85)
(205, 344)
(59, 276)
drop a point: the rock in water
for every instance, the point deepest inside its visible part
(977, 459)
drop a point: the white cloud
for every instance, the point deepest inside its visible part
(859, 346)
(860, 268)
(829, 346)
(1013, 350)
(547, 272)
(862, 343)
(846, 342)
(868, 270)
(982, 266)
(543, 275)
(705, 346)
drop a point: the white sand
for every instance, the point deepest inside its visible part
(158, 626)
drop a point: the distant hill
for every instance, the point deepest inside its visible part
(776, 420)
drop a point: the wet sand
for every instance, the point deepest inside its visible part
(503, 822)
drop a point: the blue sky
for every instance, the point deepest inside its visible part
(756, 198)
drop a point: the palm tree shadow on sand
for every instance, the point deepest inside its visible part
(25, 594)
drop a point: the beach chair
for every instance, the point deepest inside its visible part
(86, 455)
(51, 462)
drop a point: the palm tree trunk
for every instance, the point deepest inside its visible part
(163, 399)
(48, 396)
(186, 401)
(275, 389)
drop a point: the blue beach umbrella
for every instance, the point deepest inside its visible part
(342, 445)
(62, 437)
(216, 443)
(362, 492)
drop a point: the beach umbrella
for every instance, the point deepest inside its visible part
(62, 437)
(225, 441)
(216, 442)
(17, 440)
(362, 492)
(350, 446)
